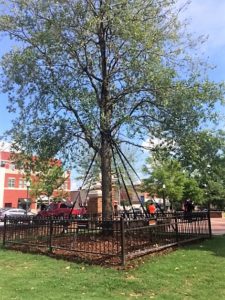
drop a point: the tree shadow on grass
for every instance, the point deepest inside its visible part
(216, 245)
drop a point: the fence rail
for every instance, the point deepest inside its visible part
(107, 241)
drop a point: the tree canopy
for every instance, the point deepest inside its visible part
(167, 179)
(201, 159)
(46, 176)
(90, 74)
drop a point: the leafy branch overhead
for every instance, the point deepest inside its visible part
(86, 73)
(46, 175)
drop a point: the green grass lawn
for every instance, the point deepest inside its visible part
(193, 272)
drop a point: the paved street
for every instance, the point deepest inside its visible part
(218, 226)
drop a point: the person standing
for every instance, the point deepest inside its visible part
(151, 209)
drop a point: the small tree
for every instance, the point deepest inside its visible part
(202, 156)
(46, 183)
(45, 175)
(168, 180)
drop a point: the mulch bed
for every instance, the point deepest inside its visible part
(91, 259)
(88, 247)
(101, 250)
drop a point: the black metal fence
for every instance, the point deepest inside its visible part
(111, 241)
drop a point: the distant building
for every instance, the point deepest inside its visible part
(14, 190)
(79, 197)
(134, 194)
(119, 195)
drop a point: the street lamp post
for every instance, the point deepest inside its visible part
(208, 173)
(28, 186)
(207, 195)
(164, 198)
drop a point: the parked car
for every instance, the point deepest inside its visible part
(134, 212)
(13, 213)
(31, 214)
(61, 209)
(2, 211)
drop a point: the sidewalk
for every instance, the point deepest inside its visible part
(218, 226)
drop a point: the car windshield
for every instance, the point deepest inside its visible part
(63, 205)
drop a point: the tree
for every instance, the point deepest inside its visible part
(202, 157)
(119, 168)
(46, 183)
(193, 191)
(45, 175)
(92, 74)
(167, 179)
(215, 193)
(205, 159)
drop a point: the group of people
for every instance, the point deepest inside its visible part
(188, 207)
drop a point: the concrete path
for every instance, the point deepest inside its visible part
(218, 226)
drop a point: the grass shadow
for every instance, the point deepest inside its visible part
(215, 245)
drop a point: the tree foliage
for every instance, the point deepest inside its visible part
(89, 74)
(50, 183)
(202, 157)
(45, 175)
(168, 179)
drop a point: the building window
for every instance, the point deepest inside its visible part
(21, 183)
(8, 204)
(12, 167)
(11, 182)
(3, 163)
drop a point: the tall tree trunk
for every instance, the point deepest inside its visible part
(106, 156)
(105, 120)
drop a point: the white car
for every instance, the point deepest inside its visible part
(14, 213)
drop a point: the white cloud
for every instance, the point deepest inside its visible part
(153, 142)
(207, 17)
(5, 146)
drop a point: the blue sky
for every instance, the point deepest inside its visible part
(205, 17)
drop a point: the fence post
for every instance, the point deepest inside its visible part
(176, 229)
(4, 232)
(123, 256)
(50, 235)
(209, 224)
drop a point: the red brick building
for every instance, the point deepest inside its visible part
(14, 190)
